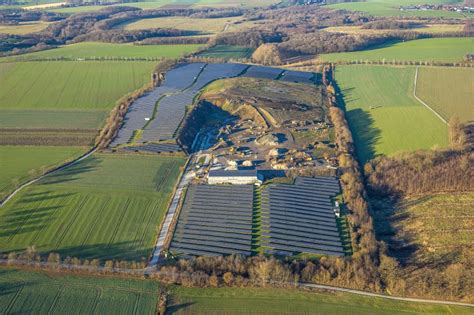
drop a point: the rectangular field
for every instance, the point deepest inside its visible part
(101, 50)
(239, 301)
(449, 91)
(19, 163)
(431, 49)
(383, 115)
(26, 292)
(227, 52)
(108, 206)
(67, 85)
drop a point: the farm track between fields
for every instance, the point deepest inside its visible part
(59, 168)
(421, 101)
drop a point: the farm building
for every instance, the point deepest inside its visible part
(237, 177)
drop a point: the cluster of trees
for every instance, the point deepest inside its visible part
(15, 16)
(423, 172)
(253, 38)
(123, 36)
(267, 54)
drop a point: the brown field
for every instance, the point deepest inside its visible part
(23, 28)
(429, 28)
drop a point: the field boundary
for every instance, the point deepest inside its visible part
(102, 271)
(61, 167)
(422, 102)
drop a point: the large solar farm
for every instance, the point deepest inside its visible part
(232, 208)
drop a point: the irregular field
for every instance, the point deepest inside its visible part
(449, 91)
(391, 8)
(431, 49)
(383, 115)
(106, 207)
(429, 28)
(67, 85)
(436, 225)
(184, 23)
(232, 301)
(29, 292)
(19, 163)
(101, 50)
(227, 52)
(23, 28)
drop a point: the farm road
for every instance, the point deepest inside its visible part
(398, 298)
(421, 101)
(59, 168)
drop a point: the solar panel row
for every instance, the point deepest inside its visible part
(215, 220)
(300, 218)
(155, 148)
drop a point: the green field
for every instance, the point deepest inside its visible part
(449, 91)
(25, 292)
(236, 301)
(101, 50)
(23, 28)
(227, 52)
(108, 206)
(383, 115)
(19, 163)
(392, 8)
(67, 85)
(431, 49)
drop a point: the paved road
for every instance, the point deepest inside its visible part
(184, 180)
(59, 168)
(331, 288)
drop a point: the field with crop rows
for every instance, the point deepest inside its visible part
(227, 52)
(236, 301)
(436, 225)
(19, 163)
(449, 91)
(25, 292)
(431, 49)
(383, 115)
(392, 8)
(108, 50)
(108, 206)
(69, 85)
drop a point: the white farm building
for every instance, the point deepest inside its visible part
(237, 177)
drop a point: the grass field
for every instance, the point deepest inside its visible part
(100, 50)
(449, 91)
(66, 85)
(428, 28)
(431, 49)
(227, 52)
(237, 301)
(204, 26)
(383, 115)
(392, 8)
(19, 163)
(25, 292)
(106, 207)
(23, 28)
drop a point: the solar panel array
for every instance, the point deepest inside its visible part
(300, 217)
(297, 76)
(215, 220)
(263, 72)
(172, 108)
(155, 148)
(178, 78)
(181, 85)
